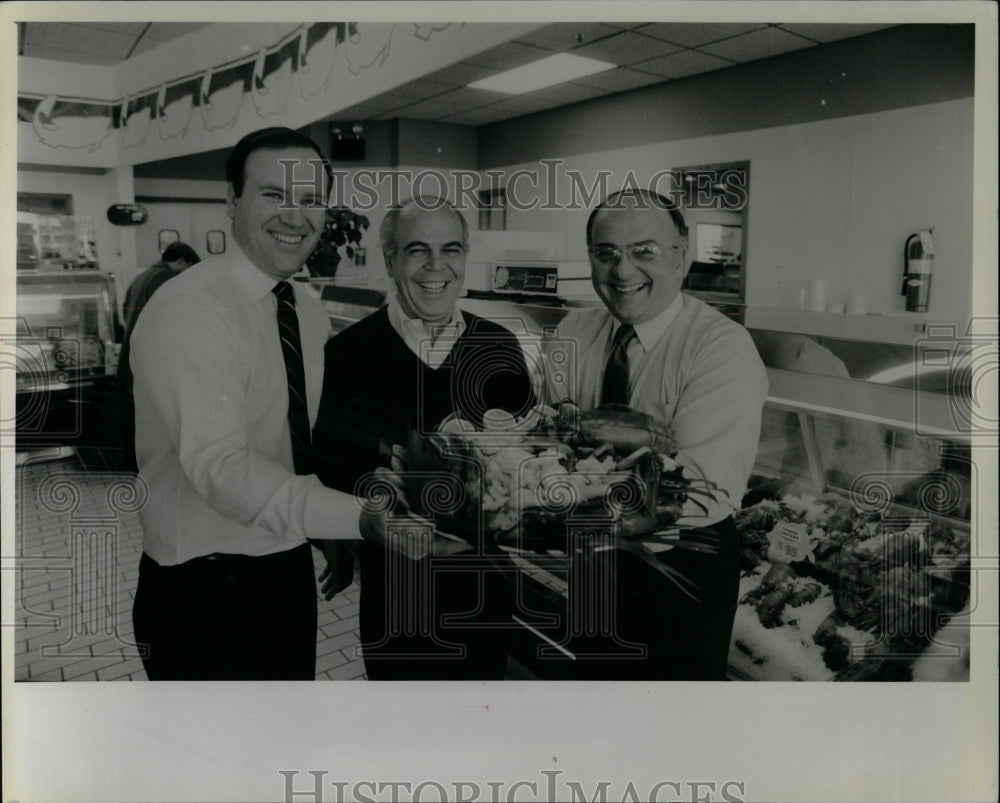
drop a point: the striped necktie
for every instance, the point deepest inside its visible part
(615, 388)
(291, 349)
(339, 554)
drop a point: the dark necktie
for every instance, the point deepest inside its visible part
(291, 349)
(614, 389)
(339, 555)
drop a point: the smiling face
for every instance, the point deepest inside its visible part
(428, 265)
(278, 240)
(636, 293)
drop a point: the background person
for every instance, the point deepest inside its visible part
(402, 369)
(671, 356)
(175, 258)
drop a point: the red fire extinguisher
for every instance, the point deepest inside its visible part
(918, 263)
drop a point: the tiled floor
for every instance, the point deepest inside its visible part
(78, 547)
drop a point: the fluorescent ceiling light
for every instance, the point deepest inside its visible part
(557, 69)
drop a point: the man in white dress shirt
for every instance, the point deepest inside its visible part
(667, 354)
(222, 393)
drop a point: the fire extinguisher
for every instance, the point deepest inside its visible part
(918, 263)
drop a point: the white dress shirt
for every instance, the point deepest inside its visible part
(692, 367)
(432, 343)
(212, 436)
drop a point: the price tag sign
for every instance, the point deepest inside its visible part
(790, 543)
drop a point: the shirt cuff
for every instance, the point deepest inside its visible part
(331, 514)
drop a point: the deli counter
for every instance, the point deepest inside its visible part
(67, 340)
(855, 528)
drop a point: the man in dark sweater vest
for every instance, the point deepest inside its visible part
(402, 369)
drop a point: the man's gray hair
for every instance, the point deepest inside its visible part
(390, 223)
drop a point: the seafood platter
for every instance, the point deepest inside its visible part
(831, 592)
(518, 483)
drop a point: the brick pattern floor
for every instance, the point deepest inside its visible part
(78, 543)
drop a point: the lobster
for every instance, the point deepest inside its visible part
(624, 428)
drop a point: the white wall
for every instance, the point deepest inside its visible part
(833, 199)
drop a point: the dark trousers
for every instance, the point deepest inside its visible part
(228, 617)
(658, 632)
(434, 619)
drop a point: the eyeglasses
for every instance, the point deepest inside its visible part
(638, 254)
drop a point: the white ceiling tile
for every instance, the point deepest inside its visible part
(360, 111)
(76, 38)
(757, 45)
(563, 35)
(626, 48)
(171, 30)
(459, 74)
(619, 80)
(685, 63)
(56, 54)
(429, 86)
(390, 101)
(421, 113)
(831, 32)
(431, 108)
(125, 28)
(507, 56)
(484, 116)
(146, 44)
(469, 98)
(524, 104)
(692, 34)
(566, 93)
(415, 90)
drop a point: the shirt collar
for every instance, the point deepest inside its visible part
(253, 282)
(415, 327)
(650, 332)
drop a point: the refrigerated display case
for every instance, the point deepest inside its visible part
(66, 328)
(55, 242)
(856, 541)
(856, 535)
(66, 357)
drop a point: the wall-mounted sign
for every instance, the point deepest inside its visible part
(127, 214)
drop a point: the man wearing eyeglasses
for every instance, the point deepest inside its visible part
(671, 356)
(403, 369)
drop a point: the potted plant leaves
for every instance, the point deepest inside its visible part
(344, 230)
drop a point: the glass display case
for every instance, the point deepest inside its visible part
(65, 329)
(55, 242)
(856, 535)
(66, 351)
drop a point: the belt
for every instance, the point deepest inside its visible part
(236, 557)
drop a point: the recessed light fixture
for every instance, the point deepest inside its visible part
(557, 69)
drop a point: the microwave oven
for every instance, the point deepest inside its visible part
(525, 276)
